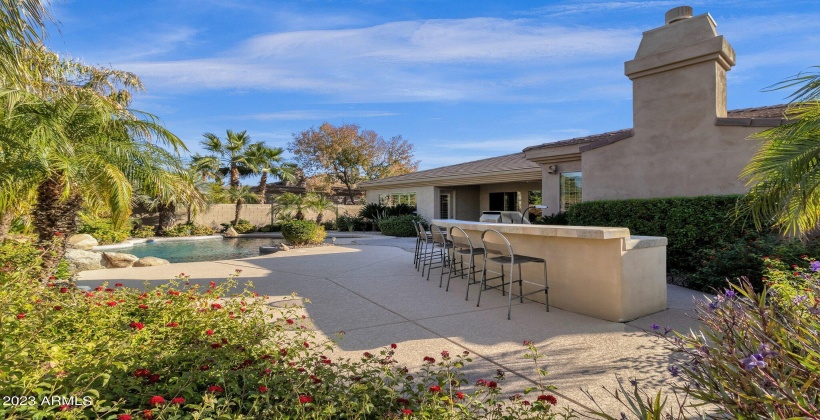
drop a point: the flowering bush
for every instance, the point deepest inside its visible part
(180, 350)
(756, 354)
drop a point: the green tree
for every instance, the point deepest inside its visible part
(288, 202)
(319, 203)
(351, 155)
(241, 195)
(268, 160)
(229, 157)
(784, 175)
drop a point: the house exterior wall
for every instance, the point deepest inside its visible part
(425, 198)
(467, 202)
(521, 187)
(551, 184)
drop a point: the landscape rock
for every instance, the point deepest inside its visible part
(118, 260)
(230, 233)
(82, 241)
(283, 247)
(150, 262)
(81, 260)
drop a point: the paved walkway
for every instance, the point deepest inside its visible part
(368, 288)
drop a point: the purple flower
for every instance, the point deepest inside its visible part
(666, 330)
(673, 370)
(713, 306)
(753, 361)
(815, 266)
(799, 299)
(655, 327)
(730, 293)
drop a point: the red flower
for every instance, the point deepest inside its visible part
(57, 307)
(111, 303)
(178, 400)
(215, 388)
(209, 332)
(143, 306)
(156, 400)
(430, 360)
(173, 293)
(548, 398)
(406, 411)
(403, 401)
(492, 384)
(171, 324)
(99, 288)
(213, 284)
(63, 290)
(139, 373)
(525, 402)
(216, 345)
(148, 414)
(263, 388)
(307, 346)
(445, 354)
(216, 306)
(393, 346)
(124, 417)
(21, 316)
(137, 325)
(108, 289)
(117, 284)
(305, 399)
(435, 388)
(153, 379)
(460, 395)
(289, 321)
(58, 233)
(204, 367)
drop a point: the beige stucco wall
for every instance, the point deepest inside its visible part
(425, 198)
(551, 185)
(467, 202)
(257, 214)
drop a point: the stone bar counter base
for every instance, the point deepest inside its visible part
(602, 272)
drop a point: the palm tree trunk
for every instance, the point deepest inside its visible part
(263, 187)
(5, 224)
(55, 219)
(166, 218)
(319, 217)
(238, 209)
(234, 176)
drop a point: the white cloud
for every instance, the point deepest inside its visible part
(299, 115)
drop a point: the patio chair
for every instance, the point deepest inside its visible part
(423, 238)
(497, 249)
(463, 246)
(441, 246)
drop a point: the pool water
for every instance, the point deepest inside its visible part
(202, 250)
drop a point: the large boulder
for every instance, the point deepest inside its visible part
(81, 260)
(150, 262)
(82, 241)
(230, 233)
(118, 260)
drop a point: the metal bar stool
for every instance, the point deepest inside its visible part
(422, 239)
(463, 246)
(441, 246)
(504, 255)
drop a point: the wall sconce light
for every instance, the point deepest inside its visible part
(552, 169)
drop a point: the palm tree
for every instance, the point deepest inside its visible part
(291, 202)
(320, 203)
(240, 196)
(784, 174)
(84, 146)
(228, 158)
(268, 160)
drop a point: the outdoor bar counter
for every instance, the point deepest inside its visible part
(602, 272)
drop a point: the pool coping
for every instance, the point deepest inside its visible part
(256, 235)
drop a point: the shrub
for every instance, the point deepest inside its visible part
(102, 231)
(142, 231)
(400, 210)
(372, 211)
(400, 225)
(18, 259)
(745, 258)
(330, 225)
(273, 227)
(176, 351)
(244, 226)
(755, 355)
(560, 218)
(689, 223)
(189, 229)
(350, 223)
(300, 232)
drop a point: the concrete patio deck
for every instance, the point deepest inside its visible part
(368, 288)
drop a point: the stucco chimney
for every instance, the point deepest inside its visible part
(679, 72)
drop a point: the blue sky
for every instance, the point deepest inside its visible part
(459, 80)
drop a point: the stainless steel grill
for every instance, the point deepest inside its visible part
(490, 217)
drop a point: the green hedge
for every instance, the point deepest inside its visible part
(299, 232)
(691, 224)
(400, 225)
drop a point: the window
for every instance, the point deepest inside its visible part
(534, 198)
(398, 198)
(570, 189)
(504, 201)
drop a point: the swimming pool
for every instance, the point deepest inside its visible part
(201, 250)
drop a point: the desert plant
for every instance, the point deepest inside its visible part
(301, 232)
(400, 210)
(103, 231)
(560, 218)
(142, 231)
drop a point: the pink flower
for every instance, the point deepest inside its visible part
(156, 400)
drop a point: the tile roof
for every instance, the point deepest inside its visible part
(609, 137)
(484, 167)
(773, 111)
